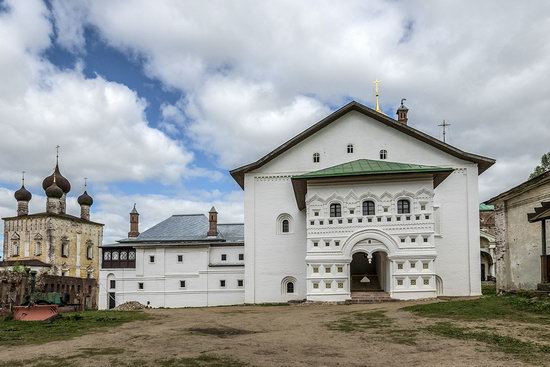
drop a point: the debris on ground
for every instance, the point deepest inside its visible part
(130, 306)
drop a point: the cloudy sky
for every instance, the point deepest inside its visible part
(154, 101)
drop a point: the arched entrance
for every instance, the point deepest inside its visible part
(368, 273)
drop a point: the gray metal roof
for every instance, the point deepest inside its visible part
(189, 228)
(231, 232)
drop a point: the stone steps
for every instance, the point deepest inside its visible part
(370, 297)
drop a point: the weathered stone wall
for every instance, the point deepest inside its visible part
(518, 241)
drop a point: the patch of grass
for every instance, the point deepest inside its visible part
(65, 326)
(505, 307)
(401, 336)
(204, 360)
(488, 289)
(360, 321)
(524, 350)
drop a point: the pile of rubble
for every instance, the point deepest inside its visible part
(130, 306)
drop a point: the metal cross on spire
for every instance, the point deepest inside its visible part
(22, 178)
(85, 182)
(377, 90)
(57, 153)
(444, 126)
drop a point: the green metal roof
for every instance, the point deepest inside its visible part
(371, 167)
(486, 208)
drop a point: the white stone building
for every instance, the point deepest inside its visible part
(361, 202)
(184, 261)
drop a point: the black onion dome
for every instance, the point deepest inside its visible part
(61, 181)
(54, 191)
(23, 194)
(85, 199)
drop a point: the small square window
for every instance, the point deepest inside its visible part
(399, 281)
(151, 258)
(316, 213)
(336, 243)
(224, 257)
(340, 285)
(312, 222)
(315, 243)
(386, 209)
(427, 217)
(315, 285)
(423, 207)
(350, 220)
(403, 240)
(351, 211)
(379, 219)
(413, 265)
(222, 283)
(413, 239)
(182, 283)
(140, 285)
(180, 258)
(408, 217)
(328, 285)
(417, 217)
(241, 257)
(327, 243)
(426, 281)
(398, 219)
(328, 269)
(321, 222)
(359, 220)
(399, 265)
(315, 269)
(425, 239)
(413, 281)
(340, 269)
(369, 220)
(240, 283)
(425, 265)
(330, 221)
(339, 221)
(112, 284)
(388, 219)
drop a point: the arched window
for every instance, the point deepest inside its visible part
(403, 206)
(350, 148)
(316, 157)
(368, 207)
(288, 285)
(383, 154)
(285, 226)
(335, 210)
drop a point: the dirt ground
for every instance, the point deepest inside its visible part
(297, 335)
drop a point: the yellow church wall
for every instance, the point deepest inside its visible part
(51, 231)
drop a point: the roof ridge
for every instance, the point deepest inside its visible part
(188, 215)
(483, 162)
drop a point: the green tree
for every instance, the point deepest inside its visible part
(544, 166)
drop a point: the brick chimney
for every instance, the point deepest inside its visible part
(134, 223)
(402, 113)
(213, 221)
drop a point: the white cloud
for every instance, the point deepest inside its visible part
(482, 66)
(100, 125)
